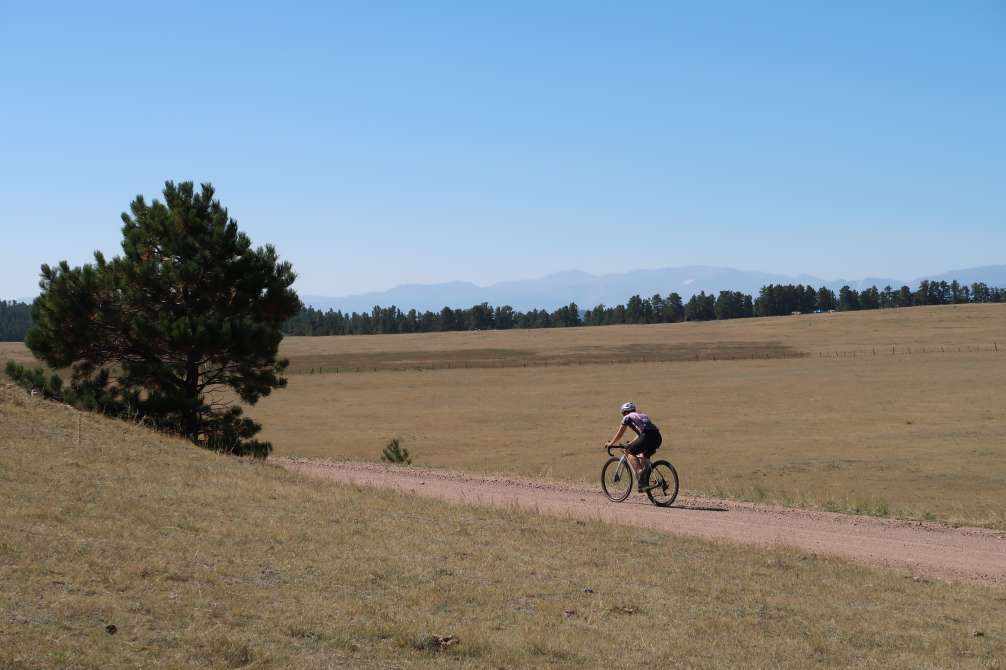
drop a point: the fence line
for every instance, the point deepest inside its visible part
(916, 351)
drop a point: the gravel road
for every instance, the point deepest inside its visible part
(923, 549)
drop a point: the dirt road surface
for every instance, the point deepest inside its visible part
(923, 549)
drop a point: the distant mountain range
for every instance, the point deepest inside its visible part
(588, 290)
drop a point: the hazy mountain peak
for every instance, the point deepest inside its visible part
(588, 290)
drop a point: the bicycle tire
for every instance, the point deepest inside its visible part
(622, 479)
(665, 478)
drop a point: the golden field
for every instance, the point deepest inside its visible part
(912, 329)
(898, 412)
(203, 561)
(812, 416)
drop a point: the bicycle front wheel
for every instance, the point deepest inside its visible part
(617, 479)
(663, 484)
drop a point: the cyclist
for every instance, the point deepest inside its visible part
(647, 441)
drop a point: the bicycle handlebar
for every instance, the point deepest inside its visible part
(616, 446)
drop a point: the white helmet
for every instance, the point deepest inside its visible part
(628, 407)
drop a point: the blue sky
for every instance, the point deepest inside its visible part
(383, 143)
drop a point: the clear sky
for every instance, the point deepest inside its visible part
(382, 143)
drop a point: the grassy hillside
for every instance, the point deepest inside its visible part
(199, 560)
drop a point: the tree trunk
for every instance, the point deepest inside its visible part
(190, 416)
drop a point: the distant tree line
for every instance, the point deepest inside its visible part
(15, 320)
(772, 300)
(310, 321)
(779, 299)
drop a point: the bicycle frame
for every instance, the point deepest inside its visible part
(623, 462)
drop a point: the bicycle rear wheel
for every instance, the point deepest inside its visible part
(664, 483)
(617, 479)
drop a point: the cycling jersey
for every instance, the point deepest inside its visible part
(639, 423)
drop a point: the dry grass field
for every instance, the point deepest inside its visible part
(812, 417)
(204, 561)
(15, 351)
(894, 412)
(915, 330)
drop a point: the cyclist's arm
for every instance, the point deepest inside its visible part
(618, 435)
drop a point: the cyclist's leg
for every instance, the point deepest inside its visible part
(649, 443)
(634, 454)
(646, 467)
(633, 463)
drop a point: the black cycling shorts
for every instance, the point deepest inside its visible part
(645, 444)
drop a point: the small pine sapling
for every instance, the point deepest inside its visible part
(394, 452)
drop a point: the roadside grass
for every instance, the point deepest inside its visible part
(200, 560)
(875, 506)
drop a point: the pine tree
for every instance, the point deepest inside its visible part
(848, 299)
(674, 309)
(189, 309)
(826, 299)
(634, 310)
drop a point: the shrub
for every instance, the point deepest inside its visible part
(34, 379)
(394, 452)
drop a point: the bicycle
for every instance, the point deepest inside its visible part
(618, 479)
